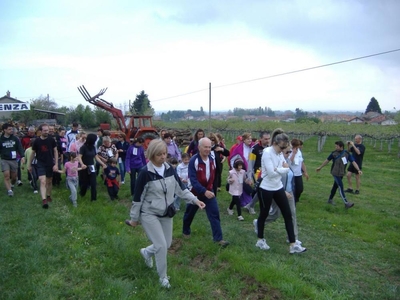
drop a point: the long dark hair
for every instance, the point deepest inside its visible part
(196, 138)
(90, 140)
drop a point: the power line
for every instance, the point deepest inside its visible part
(281, 74)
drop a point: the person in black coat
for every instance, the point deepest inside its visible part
(217, 152)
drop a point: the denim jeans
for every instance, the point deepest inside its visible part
(72, 183)
(177, 200)
(122, 170)
(212, 211)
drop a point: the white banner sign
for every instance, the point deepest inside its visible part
(14, 106)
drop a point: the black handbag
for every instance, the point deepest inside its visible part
(227, 187)
(171, 211)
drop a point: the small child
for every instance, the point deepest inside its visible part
(112, 178)
(173, 161)
(235, 179)
(32, 176)
(182, 171)
(71, 169)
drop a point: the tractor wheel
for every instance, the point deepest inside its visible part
(148, 137)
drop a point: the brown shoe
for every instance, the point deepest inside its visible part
(223, 243)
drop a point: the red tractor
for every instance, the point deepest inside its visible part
(133, 126)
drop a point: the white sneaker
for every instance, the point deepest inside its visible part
(255, 226)
(297, 249)
(240, 218)
(230, 211)
(165, 282)
(10, 193)
(297, 242)
(147, 258)
(122, 182)
(35, 191)
(19, 182)
(252, 211)
(262, 244)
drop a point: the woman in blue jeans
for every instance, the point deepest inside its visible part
(135, 160)
(122, 146)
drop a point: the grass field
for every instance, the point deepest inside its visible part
(89, 253)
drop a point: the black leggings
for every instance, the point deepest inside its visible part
(298, 188)
(236, 201)
(265, 198)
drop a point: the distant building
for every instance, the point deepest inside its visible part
(356, 120)
(377, 120)
(389, 122)
(6, 115)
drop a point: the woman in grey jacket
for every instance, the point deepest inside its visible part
(155, 189)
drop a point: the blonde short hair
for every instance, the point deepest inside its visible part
(155, 147)
(106, 139)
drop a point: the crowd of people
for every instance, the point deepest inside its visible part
(268, 170)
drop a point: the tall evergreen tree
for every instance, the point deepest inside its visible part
(373, 105)
(141, 105)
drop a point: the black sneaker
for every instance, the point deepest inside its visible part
(348, 205)
(45, 205)
(357, 192)
(349, 191)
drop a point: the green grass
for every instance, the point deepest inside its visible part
(89, 253)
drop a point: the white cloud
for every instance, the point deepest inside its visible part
(178, 47)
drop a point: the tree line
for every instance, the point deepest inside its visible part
(89, 116)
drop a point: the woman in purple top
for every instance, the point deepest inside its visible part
(135, 160)
(194, 145)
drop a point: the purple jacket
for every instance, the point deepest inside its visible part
(134, 158)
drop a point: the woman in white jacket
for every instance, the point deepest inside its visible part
(273, 165)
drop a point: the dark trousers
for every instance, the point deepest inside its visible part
(97, 168)
(236, 201)
(87, 180)
(19, 170)
(338, 183)
(265, 198)
(113, 191)
(212, 215)
(133, 174)
(298, 188)
(33, 177)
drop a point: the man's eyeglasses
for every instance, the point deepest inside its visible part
(288, 152)
(283, 147)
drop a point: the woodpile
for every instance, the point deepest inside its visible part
(182, 137)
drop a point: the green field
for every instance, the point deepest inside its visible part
(89, 253)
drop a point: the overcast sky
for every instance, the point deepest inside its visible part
(178, 47)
